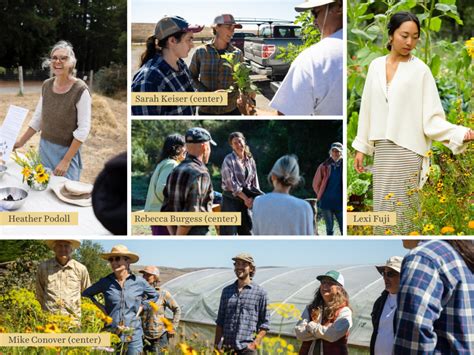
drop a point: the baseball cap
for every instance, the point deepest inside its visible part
(245, 257)
(309, 4)
(394, 263)
(333, 274)
(226, 19)
(174, 24)
(198, 135)
(337, 145)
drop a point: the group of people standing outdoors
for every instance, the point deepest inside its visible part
(181, 183)
(426, 305)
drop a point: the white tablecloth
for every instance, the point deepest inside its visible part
(46, 201)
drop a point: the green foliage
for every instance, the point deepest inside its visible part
(240, 74)
(110, 80)
(309, 34)
(89, 255)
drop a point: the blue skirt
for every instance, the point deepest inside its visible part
(51, 154)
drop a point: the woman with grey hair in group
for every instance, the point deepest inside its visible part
(63, 115)
(279, 213)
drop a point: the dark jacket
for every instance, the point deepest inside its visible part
(376, 314)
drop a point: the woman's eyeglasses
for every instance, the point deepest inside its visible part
(390, 274)
(62, 58)
(114, 258)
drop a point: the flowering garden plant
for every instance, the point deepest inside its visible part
(33, 172)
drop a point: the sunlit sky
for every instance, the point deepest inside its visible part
(292, 253)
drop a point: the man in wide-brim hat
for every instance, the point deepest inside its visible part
(313, 85)
(60, 280)
(126, 296)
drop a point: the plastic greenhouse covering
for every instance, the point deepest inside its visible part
(198, 293)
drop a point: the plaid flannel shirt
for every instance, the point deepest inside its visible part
(189, 188)
(153, 326)
(210, 74)
(156, 75)
(242, 314)
(233, 174)
(435, 302)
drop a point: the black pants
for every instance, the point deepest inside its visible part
(235, 204)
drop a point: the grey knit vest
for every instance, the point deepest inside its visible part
(59, 112)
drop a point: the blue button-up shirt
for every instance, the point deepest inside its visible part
(122, 304)
(242, 314)
(435, 302)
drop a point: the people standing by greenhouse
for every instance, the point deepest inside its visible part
(156, 328)
(242, 318)
(239, 184)
(327, 184)
(60, 280)
(162, 68)
(126, 296)
(172, 153)
(189, 186)
(436, 298)
(385, 308)
(63, 115)
(279, 213)
(400, 115)
(324, 327)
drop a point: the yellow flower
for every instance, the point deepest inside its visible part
(414, 233)
(26, 171)
(350, 208)
(39, 169)
(471, 224)
(154, 306)
(442, 199)
(187, 350)
(167, 323)
(399, 203)
(3, 330)
(470, 46)
(447, 230)
(389, 196)
(290, 347)
(428, 228)
(107, 320)
(42, 177)
(429, 153)
(51, 328)
(388, 231)
(39, 328)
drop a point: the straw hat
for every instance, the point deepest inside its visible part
(121, 250)
(394, 263)
(75, 243)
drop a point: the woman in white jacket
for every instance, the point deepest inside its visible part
(400, 115)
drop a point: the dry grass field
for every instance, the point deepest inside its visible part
(141, 31)
(107, 138)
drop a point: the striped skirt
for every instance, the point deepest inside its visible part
(396, 175)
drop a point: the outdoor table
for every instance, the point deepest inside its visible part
(47, 201)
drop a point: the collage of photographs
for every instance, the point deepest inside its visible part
(344, 227)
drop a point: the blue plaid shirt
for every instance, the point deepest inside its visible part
(242, 315)
(156, 75)
(435, 302)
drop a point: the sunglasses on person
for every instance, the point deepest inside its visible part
(116, 259)
(390, 274)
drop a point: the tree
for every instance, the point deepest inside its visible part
(89, 255)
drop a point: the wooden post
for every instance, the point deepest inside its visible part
(91, 79)
(20, 78)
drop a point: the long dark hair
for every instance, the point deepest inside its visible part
(153, 48)
(465, 248)
(329, 311)
(241, 136)
(172, 147)
(396, 21)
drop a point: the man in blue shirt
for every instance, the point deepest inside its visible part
(242, 319)
(436, 298)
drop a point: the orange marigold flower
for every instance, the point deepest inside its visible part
(471, 224)
(447, 230)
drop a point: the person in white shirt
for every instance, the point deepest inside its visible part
(400, 115)
(385, 308)
(313, 85)
(63, 115)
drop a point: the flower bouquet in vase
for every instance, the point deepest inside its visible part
(34, 173)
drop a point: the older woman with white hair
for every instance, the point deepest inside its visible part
(279, 213)
(63, 115)
(125, 296)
